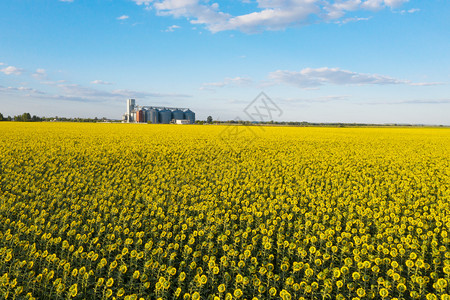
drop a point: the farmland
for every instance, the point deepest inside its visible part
(115, 211)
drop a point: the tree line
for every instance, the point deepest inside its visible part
(27, 117)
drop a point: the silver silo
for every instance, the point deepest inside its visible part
(165, 116)
(178, 115)
(152, 116)
(189, 115)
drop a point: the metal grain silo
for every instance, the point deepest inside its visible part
(140, 117)
(178, 115)
(165, 116)
(189, 115)
(152, 116)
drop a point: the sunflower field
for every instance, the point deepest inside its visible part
(128, 211)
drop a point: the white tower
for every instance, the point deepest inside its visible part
(130, 107)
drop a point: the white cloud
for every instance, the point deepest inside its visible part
(21, 89)
(11, 70)
(316, 77)
(101, 82)
(349, 20)
(121, 93)
(269, 19)
(413, 10)
(2, 64)
(322, 99)
(409, 11)
(124, 17)
(312, 78)
(430, 101)
(53, 83)
(372, 4)
(172, 28)
(338, 9)
(421, 101)
(269, 14)
(426, 83)
(40, 74)
(395, 3)
(78, 93)
(145, 2)
(380, 4)
(236, 81)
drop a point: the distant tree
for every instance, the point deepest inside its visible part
(9, 118)
(209, 120)
(26, 117)
(1, 117)
(36, 119)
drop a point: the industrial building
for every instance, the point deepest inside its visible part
(157, 114)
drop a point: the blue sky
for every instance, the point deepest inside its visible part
(371, 61)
